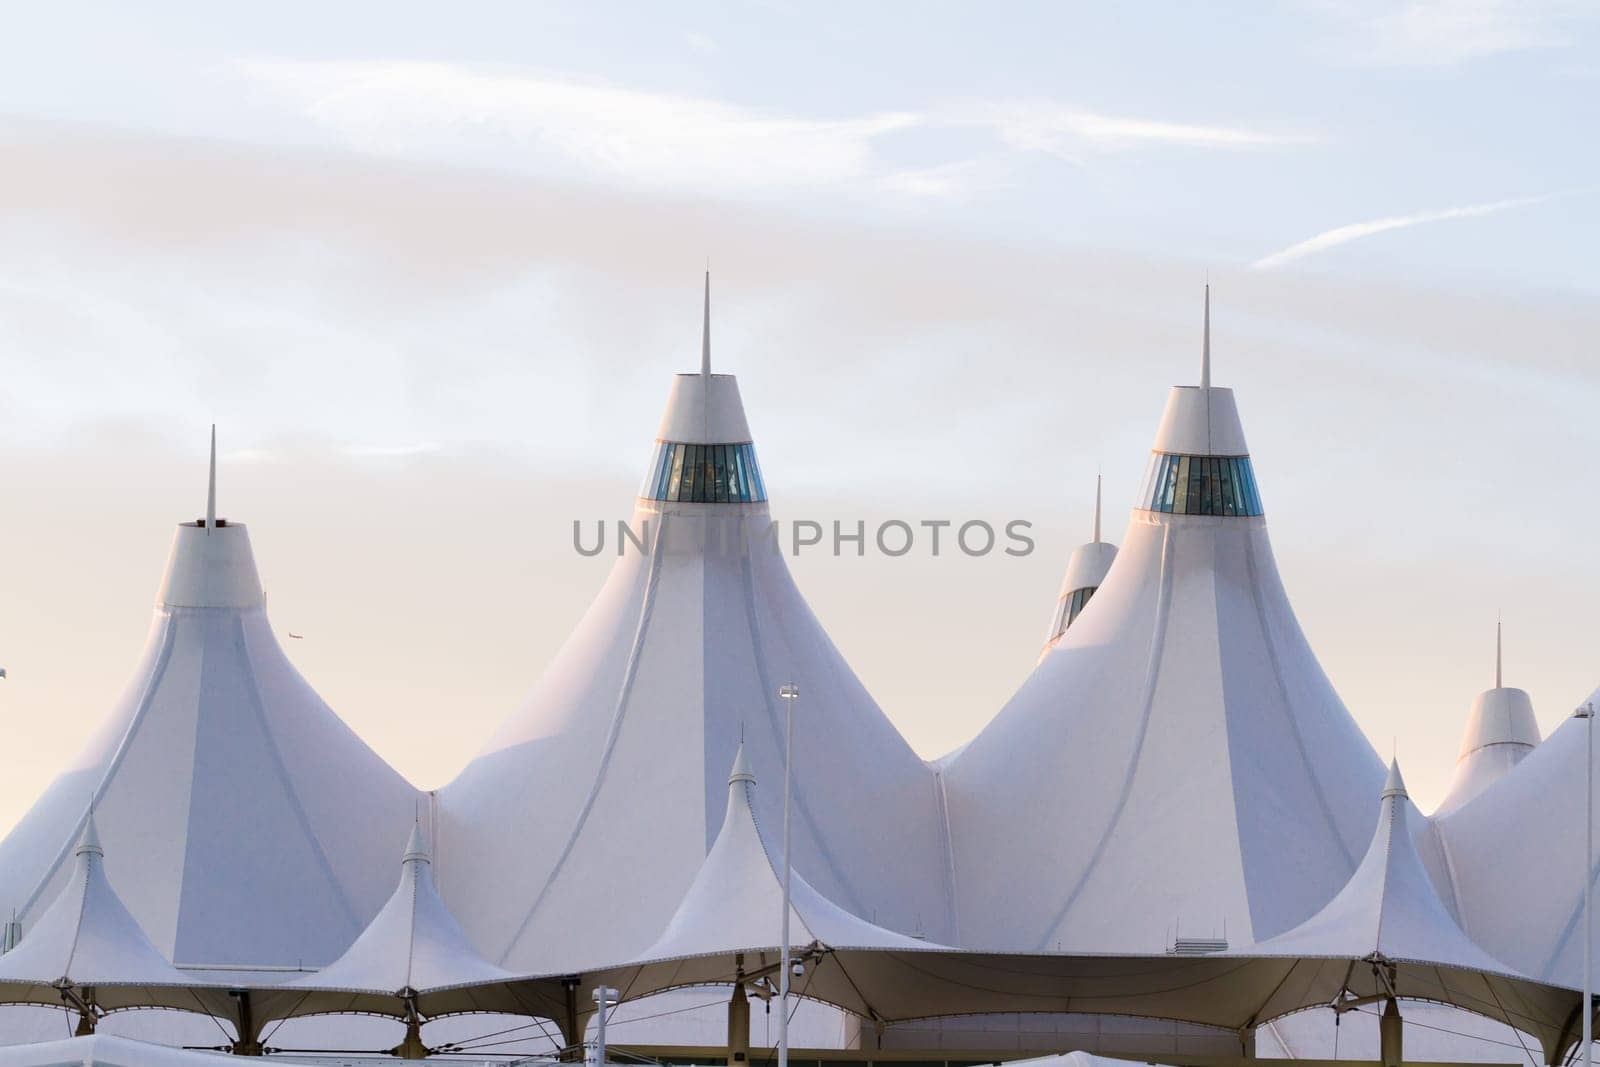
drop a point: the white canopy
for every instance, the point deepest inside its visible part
(1501, 731)
(1389, 931)
(412, 943)
(1181, 724)
(257, 815)
(1517, 851)
(610, 780)
(735, 902)
(87, 951)
(106, 1050)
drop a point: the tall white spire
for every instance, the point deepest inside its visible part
(705, 331)
(1497, 649)
(1097, 509)
(211, 485)
(1205, 346)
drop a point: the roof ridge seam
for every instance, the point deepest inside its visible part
(141, 711)
(618, 715)
(1152, 676)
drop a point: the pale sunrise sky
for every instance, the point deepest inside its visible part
(431, 267)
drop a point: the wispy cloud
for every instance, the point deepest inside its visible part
(551, 123)
(1071, 133)
(1449, 32)
(408, 108)
(1354, 231)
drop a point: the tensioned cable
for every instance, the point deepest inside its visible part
(207, 1012)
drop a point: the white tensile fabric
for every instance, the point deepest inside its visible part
(85, 940)
(1389, 931)
(412, 943)
(107, 1050)
(258, 818)
(1501, 731)
(1182, 724)
(736, 900)
(571, 838)
(1516, 851)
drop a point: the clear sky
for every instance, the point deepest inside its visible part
(431, 267)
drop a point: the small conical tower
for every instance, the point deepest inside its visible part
(620, 749)
(735, 902)
(86, 949)
(1501, 731)
(1183, 724)
(253, 810)
(1087, 567)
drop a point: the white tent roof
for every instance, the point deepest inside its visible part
(86, 939)
(1517, 851)
(1501, 731)
(257, 815)
(736, 899)
(106, 1050)
(1390, 906)
(412, 943)
(611, 778)
(86, 934)
(1182, 724)
(1087, 567)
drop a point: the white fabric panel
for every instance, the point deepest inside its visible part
(609, 780)
(736, 899)
(106, 1050)
(1390, 905)
(1181, 723)
(86, 934)
(413, 942)
(1517, 853)
(258, 817)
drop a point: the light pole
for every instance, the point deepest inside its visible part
(604, 997)
(790, 693)
(1586, 713)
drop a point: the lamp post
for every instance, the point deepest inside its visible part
(604, 997)
(1586, 713)
(789, 692)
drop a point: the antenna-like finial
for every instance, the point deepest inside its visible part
(1097, 508)
(1497, 675)
(1205, 346)
(211, 485)
(705, 330)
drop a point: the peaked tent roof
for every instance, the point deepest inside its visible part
(1181, 724)
(106, 1050)
(736, 899)
(1501, 731)
(1390, 906)
(87, 938)
(1389, 933)
(412, 943)
(610, 778)
(1087, 568)
(1517, 850)
(257, 814)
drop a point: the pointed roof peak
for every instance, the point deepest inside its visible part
(211, 484)
(1394, 785)
(1205, 345)
(705, 329)
(741, 768)
(1097, 507)
(89, 839)
(416, 847)
(1498, 675)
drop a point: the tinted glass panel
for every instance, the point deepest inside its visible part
(708, 474)
(1200, 485)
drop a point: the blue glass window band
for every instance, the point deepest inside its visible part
(704, 474)
(1200, 485)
